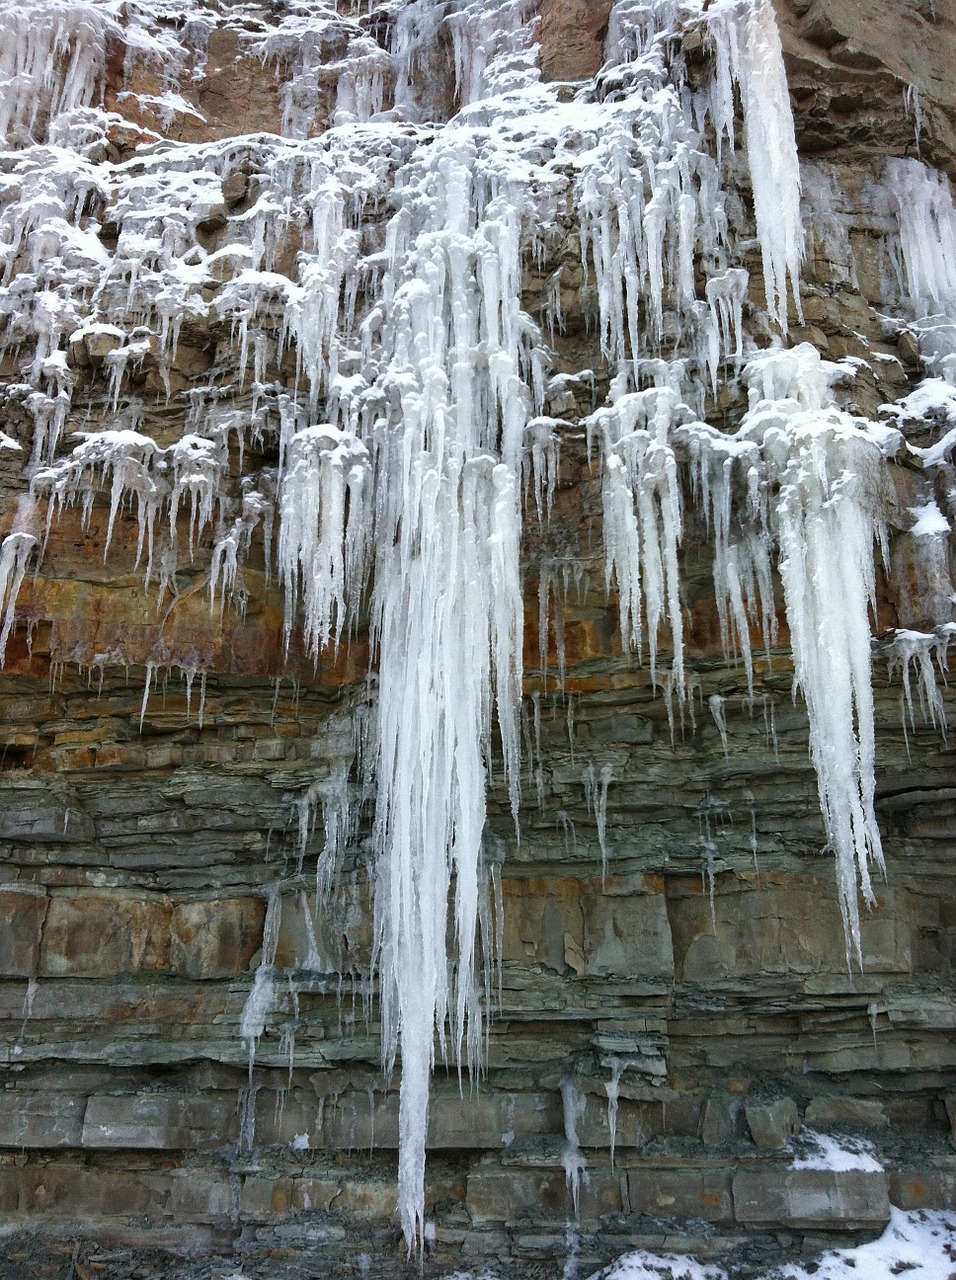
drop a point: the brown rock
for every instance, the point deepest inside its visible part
(22, 912)
(216, 938)
(100, 935)
(572, 37)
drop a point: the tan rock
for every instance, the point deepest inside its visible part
(99, 935)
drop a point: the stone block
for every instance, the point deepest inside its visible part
(705, 1193)
(482, 1120)
(628, 937)
(502, 1195)
(216, 938)
(314, 1195)
(160, 1121)
(371, 1198)
(101, 340)
(281, 1118)
(189, 1195)
(234, 187)
(334, 936)
(164, 755)
(103, 934)
(571, 38)
(769, 1195)
(266, 1197)
(785, 926)
(841, 1113)
(118, 1009)
(72, 1193)
(33, 1119)
(926, 1188)
(772, 1124)
(602, 1191)
(489, 1120)
(22, 913)
(544, 924)
(636, 1124)
(720, 1121)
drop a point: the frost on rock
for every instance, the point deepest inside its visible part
(916, 1243)
(837, 1152)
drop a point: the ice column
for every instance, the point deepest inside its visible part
(425, 503)
(749, 52)
(447, 619)
(826, 526)
(827, 470)
(923, 202)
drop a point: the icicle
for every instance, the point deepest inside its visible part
(613, 1089)
(325, 519)
(493, 48)
(15, 553)
(716, 704)
(600, 814)
(150, 670)
(574, 1105)
(380, 268)
(916, 649)
(750, 51)
(261, 998)
(826, 539)
(914, 107)
(51, 60)
(643, 519)
(923, 203)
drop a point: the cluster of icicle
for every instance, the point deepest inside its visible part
(802, 480)
(417, 417)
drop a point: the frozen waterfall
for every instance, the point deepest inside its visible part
(367, 285)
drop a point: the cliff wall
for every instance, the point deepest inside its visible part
(677, 1003)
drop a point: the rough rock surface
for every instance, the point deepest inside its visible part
(705, 971)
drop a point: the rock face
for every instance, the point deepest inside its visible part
(192, 1040)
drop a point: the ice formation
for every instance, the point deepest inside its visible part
(366, 270)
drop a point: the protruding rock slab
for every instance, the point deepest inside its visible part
(160, 1122)
(848, 1200)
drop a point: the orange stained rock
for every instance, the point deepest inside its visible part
(572, 37)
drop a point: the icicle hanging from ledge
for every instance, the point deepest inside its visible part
(428, 507)
(804, 480)
(749, 52)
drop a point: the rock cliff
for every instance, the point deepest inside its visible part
(262, 702)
